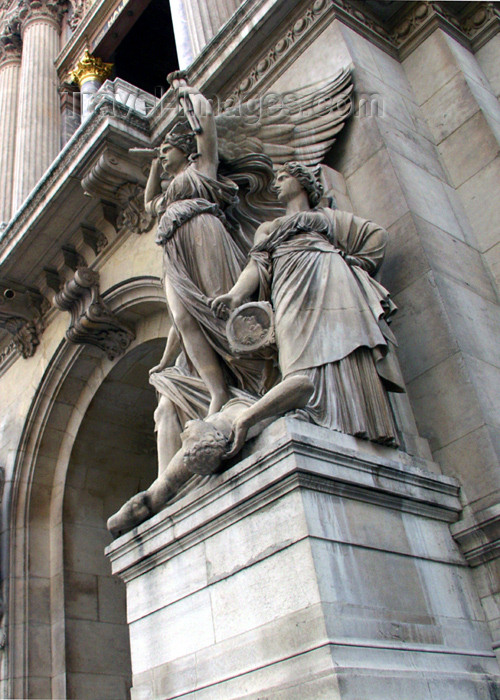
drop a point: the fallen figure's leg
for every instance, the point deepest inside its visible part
(205, 444)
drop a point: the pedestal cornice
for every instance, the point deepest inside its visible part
(289, 455)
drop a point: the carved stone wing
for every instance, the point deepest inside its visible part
(301, 125)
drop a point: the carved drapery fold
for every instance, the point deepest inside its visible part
(92, 322)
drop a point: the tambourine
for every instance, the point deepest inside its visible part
(250, 327)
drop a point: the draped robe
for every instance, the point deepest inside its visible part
(203, 256)
(330, 317)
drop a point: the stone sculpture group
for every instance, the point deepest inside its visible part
(232, 230)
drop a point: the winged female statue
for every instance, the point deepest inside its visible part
(219, 191)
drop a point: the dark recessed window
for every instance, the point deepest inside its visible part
(147, 53)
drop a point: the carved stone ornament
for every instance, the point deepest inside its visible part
(92, 322)
(133, 216)
(33, 10)
(10, 42)
(21, 316)
(80, 8)
(115, 177)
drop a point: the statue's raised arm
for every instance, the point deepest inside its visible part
(199, 115)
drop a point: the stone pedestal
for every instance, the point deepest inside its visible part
(319, 566)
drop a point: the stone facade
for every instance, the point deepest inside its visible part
(420, 157)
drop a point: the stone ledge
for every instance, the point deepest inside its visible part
(288, 455)
(478, 536)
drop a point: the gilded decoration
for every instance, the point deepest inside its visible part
(90, 68)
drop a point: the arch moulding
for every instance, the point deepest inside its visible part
(36, 617)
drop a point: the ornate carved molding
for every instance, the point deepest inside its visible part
(280, 50)
(80, 8)
(411, 26)
(92, 238)
(92, 322)
(10, 43)
(41, 10)
(480, 23)
(133, 216)
(116, 177)
(21, 316)
(419, 20)
(6, 354)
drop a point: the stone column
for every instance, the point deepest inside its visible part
(90, 73)
(10, 64)
(183, 43)
(202, 20)
(38, 138)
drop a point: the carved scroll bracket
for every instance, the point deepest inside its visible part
(115, 177)
(21, 316)
(92, 322)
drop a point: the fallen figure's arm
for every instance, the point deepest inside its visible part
(205, 444)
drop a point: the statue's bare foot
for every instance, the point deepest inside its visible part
(134, 512)
(217, 402)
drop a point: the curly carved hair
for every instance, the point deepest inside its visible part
(308, 178)
(204, 457)
(185, 142)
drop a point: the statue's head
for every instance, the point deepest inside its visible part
(204, 447)
(305, 178)
(176, 149)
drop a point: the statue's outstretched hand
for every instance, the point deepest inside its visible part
(222, 305)
(238, 436)
(163, 364)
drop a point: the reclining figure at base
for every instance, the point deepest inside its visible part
(206, 443)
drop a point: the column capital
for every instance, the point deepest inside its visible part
(10, 43)
(41, 10)
(90, 68)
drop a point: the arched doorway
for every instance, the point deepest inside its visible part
(113, 457)
(87, 445)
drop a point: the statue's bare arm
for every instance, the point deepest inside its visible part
(288, 395)
(153, 185)
(247, 282)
